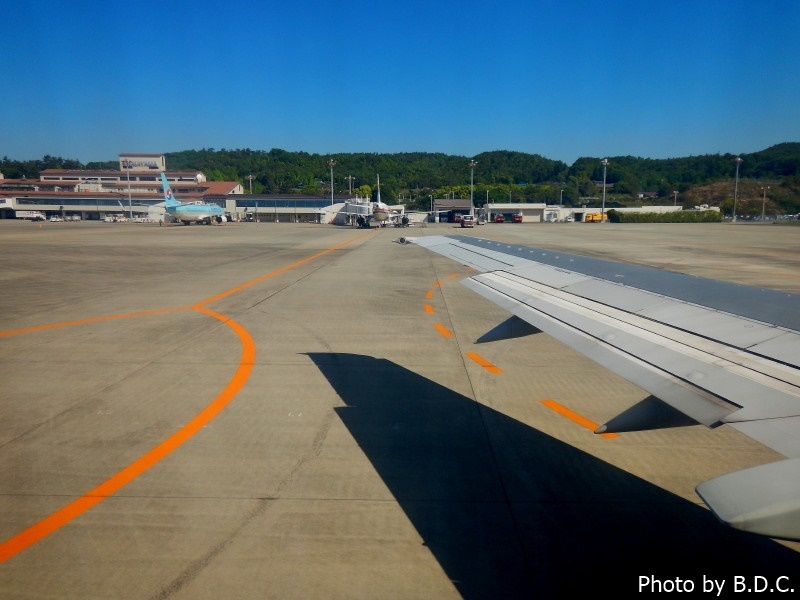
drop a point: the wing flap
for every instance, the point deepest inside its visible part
(704, 378)
(716, 351)
(782, 435)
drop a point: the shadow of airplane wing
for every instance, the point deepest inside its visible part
(510, 512)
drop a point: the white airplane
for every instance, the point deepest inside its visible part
(718, 352)
(380, 211)
(377, 211)
(199, 212)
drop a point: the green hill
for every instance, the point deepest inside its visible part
(499, 176)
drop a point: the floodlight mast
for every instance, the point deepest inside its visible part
(603, 207)
(331, 162)
(738, 161)
(472, 164)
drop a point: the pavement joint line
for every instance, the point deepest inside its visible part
(43, 528)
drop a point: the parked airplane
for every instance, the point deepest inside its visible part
(718, 352)
(366, 212)
(199, 212)
(380, 211)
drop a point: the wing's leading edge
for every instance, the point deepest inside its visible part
(718, 352)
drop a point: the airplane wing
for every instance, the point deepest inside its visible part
(719, 352)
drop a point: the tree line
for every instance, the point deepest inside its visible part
(414, 178)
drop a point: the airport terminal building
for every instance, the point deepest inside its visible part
(134, 192)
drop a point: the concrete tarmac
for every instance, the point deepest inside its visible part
(298, 411)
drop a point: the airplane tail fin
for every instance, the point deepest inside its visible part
(169, 199)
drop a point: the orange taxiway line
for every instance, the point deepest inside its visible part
(112, 485)
(443, 330)
(485, 363)
(429, 309)
(429, 294)
(93, 320)
(573, 416)
(61, 517)
(302, 261)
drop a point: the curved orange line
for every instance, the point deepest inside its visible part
(77, 507)
(112, 485)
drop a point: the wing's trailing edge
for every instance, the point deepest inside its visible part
(718, 352)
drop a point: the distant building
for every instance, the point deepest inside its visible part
(134, 190)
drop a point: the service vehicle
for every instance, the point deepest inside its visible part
(33, 215)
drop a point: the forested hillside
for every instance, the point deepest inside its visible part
(499, 176)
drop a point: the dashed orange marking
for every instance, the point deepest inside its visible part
(77, 507)
(443, 330)
(577, 418)
(437, 284)
(485, 363)
(429, 294)
(452, 275)
(429, 309)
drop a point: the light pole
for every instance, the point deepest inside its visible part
(738, 161)
(472, 164)
(764, 202)
(331, 162)
(128, 173)
(250, 177)
(350, 183)
(603, 207)
(675, 192)
(561, 199)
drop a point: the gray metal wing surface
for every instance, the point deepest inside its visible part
(719, 352)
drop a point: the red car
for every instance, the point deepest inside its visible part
(499, 218)
(516, 218)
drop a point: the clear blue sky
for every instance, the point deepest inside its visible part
(88, 80)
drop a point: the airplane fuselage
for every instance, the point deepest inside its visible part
(380, 213)
(192, 213)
